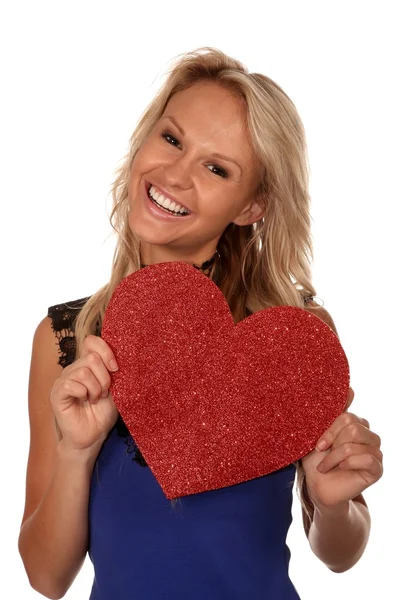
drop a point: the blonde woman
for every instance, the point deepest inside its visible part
(216, 176)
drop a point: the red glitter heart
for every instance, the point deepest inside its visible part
(210, 403)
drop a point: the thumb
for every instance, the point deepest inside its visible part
(350, 399)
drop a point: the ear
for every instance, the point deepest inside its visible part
(250, 214)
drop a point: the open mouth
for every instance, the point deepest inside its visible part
(178, 212)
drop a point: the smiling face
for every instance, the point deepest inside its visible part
(199, 155)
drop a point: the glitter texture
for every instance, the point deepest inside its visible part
(209, 403)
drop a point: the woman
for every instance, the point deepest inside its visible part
(216, 176)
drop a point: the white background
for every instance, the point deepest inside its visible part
(75, 78)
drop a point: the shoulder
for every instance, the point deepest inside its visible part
(60, 322)
(322, 313)
(63, 315)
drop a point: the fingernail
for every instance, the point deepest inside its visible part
(113, 365)
(321, 445)
(104, 394)
(320, 468)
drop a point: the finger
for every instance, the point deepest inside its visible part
(85, 376)
(327, 438)
(94, 376)
(356, 433)
(365, 423)
(94, 343)
(67, 389)
(68, 392)
(365, 462)
(337, 456)
(350, 398)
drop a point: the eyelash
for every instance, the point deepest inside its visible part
(166, 134)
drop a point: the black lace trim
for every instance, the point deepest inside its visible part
(63, 317)
(123, 431)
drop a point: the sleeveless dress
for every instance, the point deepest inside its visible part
(226, 544)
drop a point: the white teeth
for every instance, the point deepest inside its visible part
(166, 202)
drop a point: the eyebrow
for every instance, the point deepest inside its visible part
(214, 154)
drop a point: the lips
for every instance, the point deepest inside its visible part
(148, 185)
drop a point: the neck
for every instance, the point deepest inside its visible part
(204, 267)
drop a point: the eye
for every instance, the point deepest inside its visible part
(167, 136)
(221, 172)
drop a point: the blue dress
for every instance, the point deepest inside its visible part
(226, 544)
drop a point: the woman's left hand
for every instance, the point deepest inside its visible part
(350, 462)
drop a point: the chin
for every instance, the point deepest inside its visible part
(146, 234)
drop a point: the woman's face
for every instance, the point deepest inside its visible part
(179, 158)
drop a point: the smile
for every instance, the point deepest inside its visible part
(165, 203)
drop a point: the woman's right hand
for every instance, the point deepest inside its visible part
(82, 405)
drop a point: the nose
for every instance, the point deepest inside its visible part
(177, 173)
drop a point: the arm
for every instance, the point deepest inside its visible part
(338, 540)
(54, 532)
(53, 540)
(337, 537)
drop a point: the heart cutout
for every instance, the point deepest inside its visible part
(209, 403)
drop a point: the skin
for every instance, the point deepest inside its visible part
(351, 446)
(336, 475)
(214, 121)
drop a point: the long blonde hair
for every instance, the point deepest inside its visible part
(261, 265)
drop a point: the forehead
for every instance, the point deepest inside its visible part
(213, 114)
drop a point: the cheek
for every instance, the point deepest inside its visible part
(146, 158)
(140, 159)
(218, 203)
(139, 167)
